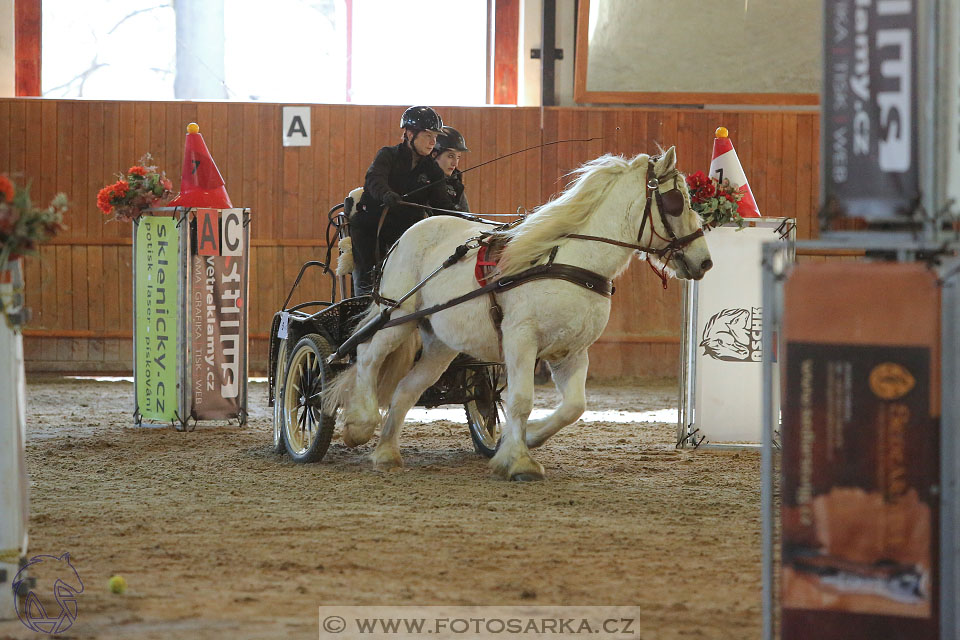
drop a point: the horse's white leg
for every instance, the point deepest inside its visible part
(360, 416)
(434, 360)
(570, 378)
(513, 460)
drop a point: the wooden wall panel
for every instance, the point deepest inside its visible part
(79, 286)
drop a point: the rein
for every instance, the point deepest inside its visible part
(507, 155)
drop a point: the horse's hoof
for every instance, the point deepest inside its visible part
(524, 469)
(349, 440)
(386, 460)
(526, 476)
(355, 434)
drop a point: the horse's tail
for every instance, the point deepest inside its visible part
(345, 261)
(395, 366)
(339, 391)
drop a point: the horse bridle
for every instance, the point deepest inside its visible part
(669, 204)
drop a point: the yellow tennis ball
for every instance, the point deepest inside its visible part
(193, 127)
(118, 584)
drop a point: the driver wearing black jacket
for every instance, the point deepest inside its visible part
(405, 172)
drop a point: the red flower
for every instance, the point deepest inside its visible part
(708, 190)
(103, 199)
(697, 180)
(730, 196)
(6, 189)
(140, 187)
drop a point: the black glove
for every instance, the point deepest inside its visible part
(391, 199)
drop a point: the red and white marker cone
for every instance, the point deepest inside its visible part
(201, 184)
(726, 166)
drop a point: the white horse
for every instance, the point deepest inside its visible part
(612, 198)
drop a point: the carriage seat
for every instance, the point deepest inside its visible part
(345, 265)
(350, 204)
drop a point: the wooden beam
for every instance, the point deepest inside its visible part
(27, 32)
(505, 51)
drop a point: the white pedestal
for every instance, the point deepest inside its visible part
(722, 369)
(13, 470)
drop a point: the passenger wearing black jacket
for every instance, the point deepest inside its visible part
(448, 151)
(406, 172)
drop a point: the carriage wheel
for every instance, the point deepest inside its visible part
(484, 415)
(306, 431)
(279, 378)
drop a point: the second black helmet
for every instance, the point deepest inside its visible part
(451, 139)
(421, 119)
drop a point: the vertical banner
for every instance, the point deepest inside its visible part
(726, 341)
(860, 452)
(156, 248)
(949, 83)
(869, 118)
(219, 265)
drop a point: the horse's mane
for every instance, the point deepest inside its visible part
(564, 214)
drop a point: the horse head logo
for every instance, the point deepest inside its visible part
(727, 335)
(66, 588)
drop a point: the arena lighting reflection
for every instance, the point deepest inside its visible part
(456, 414)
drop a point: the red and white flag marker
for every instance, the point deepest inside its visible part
(726, 166)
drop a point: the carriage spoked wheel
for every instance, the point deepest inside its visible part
(279, 378)
(306, 431)
(484, 415)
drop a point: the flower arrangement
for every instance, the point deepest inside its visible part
(141, 187)
(716, 202)
(22, 226)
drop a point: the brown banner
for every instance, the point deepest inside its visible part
(218, 314)
(860, 536)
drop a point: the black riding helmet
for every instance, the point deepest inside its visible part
(421, 119)
(450, 138)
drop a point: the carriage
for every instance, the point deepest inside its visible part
(302, 337)
(547, 297)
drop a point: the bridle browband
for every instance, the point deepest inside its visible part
(670, 204)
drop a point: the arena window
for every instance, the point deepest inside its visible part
(329, 51)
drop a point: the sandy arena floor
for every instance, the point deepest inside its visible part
(217, 537)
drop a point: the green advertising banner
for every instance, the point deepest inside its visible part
(157, 277)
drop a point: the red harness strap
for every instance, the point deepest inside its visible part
(480, 272)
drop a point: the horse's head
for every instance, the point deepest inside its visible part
(676, 230)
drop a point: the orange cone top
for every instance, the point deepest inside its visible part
(201, 184)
